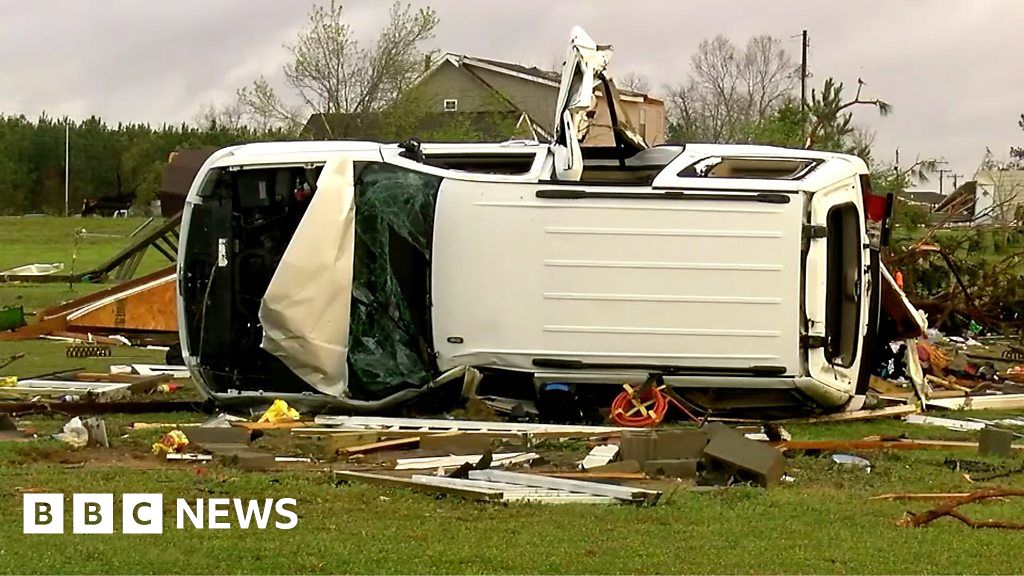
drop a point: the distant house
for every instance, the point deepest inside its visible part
(993, 197)
(461, 88)
(1000, 196)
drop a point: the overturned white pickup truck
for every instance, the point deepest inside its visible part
(357, 274)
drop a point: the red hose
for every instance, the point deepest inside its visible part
(639, 409)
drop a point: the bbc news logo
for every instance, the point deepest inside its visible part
(144, 514)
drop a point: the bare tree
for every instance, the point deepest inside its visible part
(330, 73)
(634, 82)
(213, 117)
(728, 90)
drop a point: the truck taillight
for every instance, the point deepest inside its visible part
(876, 208)
(877, 211)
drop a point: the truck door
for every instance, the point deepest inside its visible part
(834, 297)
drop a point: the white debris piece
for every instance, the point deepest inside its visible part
(949, 423)
(445, 462)
(599, 456)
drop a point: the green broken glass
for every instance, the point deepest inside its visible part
(389, 332)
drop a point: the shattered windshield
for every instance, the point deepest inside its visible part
(389, 334)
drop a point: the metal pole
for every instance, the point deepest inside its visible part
(803, 70)
(942, 173)
(67, 156)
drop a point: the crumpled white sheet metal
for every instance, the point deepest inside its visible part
(305, 311)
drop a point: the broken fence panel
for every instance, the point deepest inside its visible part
(443, 462)
(621, 492)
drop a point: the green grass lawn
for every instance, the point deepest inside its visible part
(822, 522)
(49, 239)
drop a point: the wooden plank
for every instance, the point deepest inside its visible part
(846, 445)
(335, 443)
(432, 424)
(920, 496)
(595, 488)
(405, 433)
(396, 482)
(596, 475)
(398, 444)
(888, 412)
(986, 402)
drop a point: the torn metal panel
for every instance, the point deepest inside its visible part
(305, 310)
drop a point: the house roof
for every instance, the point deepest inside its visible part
(928, 197)
(550, 77)
(960, 200)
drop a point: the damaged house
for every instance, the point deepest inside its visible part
(358, 275)
(497, 101)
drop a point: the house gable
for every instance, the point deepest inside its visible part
(450, 82)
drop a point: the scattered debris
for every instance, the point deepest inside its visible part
(950, 509)
(143, 306)
(977, 402)
(279, 411)
(33, 270)
(514, 408)
(679, 468)
(851, 460)
(173, 441)
(447, 462)
(919, 496)
(12, 318)
(428, 425)
(888, 412)
(948, 423)
(400, 443)
(878, 444)
(175, 372)
(189, 456)
(995, 442)
(87, 350)
(496, 485)
(599, 456)
(742, 458)
(11, 360)
(73, 433)
(97, 430)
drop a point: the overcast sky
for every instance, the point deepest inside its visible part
(950, 67)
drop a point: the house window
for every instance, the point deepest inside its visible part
(451, 105)
(643, 122)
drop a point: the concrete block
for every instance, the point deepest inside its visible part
(995, 442)
(680, 444)
(202, 436)
(748, 458)
(638, 445)
(679, 468)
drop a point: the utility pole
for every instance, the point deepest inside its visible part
(942, 173)
(956, 180)
(803, 70)
(897, 158)
(67, 157)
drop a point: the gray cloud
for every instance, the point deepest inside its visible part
(946, 65)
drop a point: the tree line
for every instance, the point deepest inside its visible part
(105, 160)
